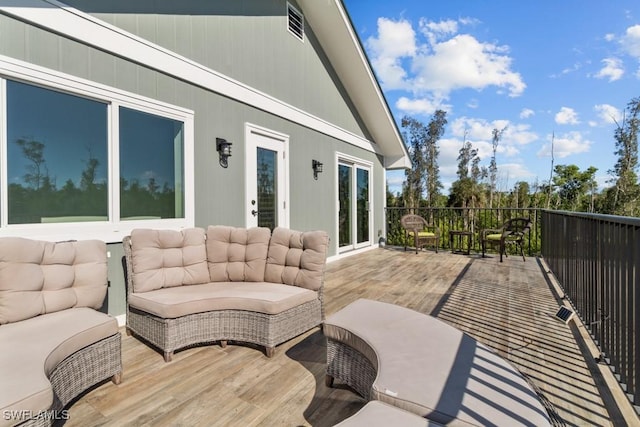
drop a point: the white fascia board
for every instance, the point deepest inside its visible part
(398, 162)
(333, 28)
(72, 23)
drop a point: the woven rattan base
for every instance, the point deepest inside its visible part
(224, 325)
(351, 367)
(77, 373)
(86, 368)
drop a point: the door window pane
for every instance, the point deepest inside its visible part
(267, 187)
(151, 166)
(56, 156)
(363, 205)
(344, 197)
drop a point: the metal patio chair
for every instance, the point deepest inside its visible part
(512, 233)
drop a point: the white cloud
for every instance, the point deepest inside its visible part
(464, 62)
(438, 30)
(442, 62)
(396, 40)
(608, 114)
(567, 116)
(565, 145)
(510, 173)
(480, 133)
(526, 113)
(631, 41)
(420, 106)
(448, 157)
(612, 70)
(518, 134)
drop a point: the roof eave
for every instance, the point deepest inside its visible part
(333, 28)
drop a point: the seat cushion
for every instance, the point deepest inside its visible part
(32, 348)
(423, 234)
(433, 369)
(493, 237)
(262, 297)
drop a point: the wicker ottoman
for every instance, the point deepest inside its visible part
(422, 365)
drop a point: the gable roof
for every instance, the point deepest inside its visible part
(330, 23)
(333, 28)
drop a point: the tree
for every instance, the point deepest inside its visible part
(520, 195)
(573, 187)
(37, 170)
(622, 199)
(415, 136)
(466, 190)
(496, 136)
(431, 152)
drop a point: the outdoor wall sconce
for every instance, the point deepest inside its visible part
(317, 168)
(224, 150)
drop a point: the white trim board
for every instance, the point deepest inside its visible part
(77, 25)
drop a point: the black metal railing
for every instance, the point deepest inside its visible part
(465, 219)
(596, 259)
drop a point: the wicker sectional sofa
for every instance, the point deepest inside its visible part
(55, 343)
(223, 284)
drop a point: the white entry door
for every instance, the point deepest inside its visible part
(267, 169)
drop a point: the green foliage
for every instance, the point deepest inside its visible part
(623, 198)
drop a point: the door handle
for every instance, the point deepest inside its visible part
(254, 212)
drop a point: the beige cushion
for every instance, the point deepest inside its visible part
(380, 414)
(267, 298)
(297, 258)
(166, 258)
(237, 254)
(38, 277)
(32, 348)
(432, 369)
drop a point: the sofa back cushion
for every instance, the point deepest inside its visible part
(166, 258)
(38, 277)
(297, 258)
(237, 254)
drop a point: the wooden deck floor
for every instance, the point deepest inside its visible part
(508, 306)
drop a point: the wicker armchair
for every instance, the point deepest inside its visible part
(420, 231)
(512, 233)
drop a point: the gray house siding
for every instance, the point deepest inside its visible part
(246, 40)
(220, 193)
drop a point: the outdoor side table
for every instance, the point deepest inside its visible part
(456, 241)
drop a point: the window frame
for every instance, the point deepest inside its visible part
(112, 230)
(355, 163)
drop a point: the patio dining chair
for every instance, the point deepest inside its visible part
(417, 228)
(511, 234)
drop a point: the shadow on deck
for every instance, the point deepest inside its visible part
(509, 306)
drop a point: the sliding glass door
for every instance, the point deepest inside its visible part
(354, 201)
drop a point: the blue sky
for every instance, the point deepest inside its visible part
(564, 68)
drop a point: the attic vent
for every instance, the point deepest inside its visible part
(295, 22)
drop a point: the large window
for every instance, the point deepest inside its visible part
(151, 184)
(91, 165)
(56, 156)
